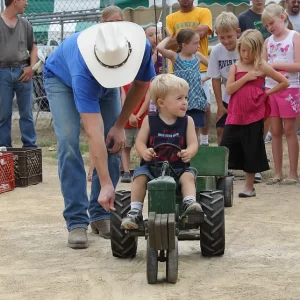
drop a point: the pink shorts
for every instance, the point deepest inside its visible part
(285, 104)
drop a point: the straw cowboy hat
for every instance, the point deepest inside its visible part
(113, 51)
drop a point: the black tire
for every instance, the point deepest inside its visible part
(212, 231)
(172, 264)
(152, 264)
(122, 245)
(225, 184)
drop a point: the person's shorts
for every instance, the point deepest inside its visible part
(144, 170)
(131, 134)
(206, 87)
(222, 121)
(285, 104)
(198, 116)
(246, 146)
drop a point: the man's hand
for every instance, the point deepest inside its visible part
(184, 155)
(221, 112)
(107, 197)
(115, 139)
(27, 74)
(149, 154)
(133, 120)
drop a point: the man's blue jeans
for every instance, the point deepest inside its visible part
(9, 85)
(70, 163)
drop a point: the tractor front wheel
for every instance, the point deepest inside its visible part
(152, 264)
(172, 264)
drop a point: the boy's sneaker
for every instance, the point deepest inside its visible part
(191, 205)
(204, 144)
(126, 178)
(132, 220)
(258, 178)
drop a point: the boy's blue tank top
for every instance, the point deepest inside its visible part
(160, 132)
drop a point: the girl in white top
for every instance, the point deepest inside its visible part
(282, 51)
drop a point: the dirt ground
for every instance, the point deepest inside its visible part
(261, 261)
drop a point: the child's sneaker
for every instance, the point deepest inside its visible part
(132, 220)
(258, 178)
(191, 205)
(126, 178)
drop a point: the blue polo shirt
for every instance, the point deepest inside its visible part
(67, 63)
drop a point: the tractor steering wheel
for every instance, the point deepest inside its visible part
(173, 148)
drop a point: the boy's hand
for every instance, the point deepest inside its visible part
(184, 155)
(149, 154)
(133, 120)
(221, 112)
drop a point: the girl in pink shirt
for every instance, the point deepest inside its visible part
(282, 51)
(248, 107)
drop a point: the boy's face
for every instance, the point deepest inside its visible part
(175, 103)
(228, 38)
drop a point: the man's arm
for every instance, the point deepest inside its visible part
(205, 23)
(32, 48)
(172, 43)
(136, 92)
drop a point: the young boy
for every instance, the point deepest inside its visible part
(132, 128)
(221, 58)
(169, 125)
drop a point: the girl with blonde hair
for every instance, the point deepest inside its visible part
(282, 51)
(244, 130)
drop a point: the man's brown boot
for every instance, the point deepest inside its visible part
(78, 239)
(101, 227)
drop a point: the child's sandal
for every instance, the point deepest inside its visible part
(289, 181)
(273, 180)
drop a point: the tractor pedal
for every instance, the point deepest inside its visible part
(194, 217)
(137, 232)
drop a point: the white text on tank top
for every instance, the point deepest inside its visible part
(282, 52)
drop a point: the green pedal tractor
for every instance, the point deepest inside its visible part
(167, 223)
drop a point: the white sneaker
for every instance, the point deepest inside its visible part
(258, 178)
(268, 138)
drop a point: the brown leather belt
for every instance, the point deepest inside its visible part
(13, 64)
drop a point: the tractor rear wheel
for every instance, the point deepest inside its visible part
(212, 231)
(225, 184)
(122, 245)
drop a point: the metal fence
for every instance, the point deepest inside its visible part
(52, 22)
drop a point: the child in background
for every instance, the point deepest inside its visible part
(154, 37)
(169, 125)
(186, 65)
(244, 130)
(132, 128)
(282, 51)
(222, 56)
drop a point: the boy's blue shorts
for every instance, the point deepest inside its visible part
(144, 170)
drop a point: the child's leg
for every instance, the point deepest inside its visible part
(249, 183)
(276, 124)
(290, 132)
(267, 127)
(188, 190)
(138, 193)
(219, 134)
(126, 159)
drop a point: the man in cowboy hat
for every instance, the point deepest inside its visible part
(81, 77)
